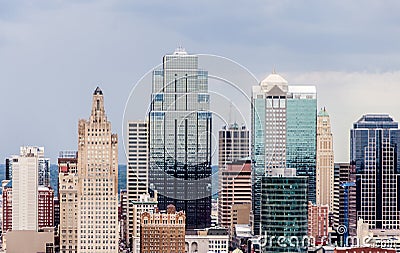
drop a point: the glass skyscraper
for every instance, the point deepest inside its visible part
(374, 149)
(268, 136)
(284, 124)
(285, 213)
(301, 128)
(180, 138)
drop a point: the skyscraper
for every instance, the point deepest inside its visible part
(137, 169)
(25, 189)
(284, 212)
(233, 144)
(301, 127)
(97, 182)
(137, 148)
(325, 161)
(180, 138)
(43, 168)
(374, 149)
(268, 136)
(283, 134)
(345, 198)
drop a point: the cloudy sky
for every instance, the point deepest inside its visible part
(53, 54)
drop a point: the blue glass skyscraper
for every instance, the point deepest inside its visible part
(180, 138)
(374, 149)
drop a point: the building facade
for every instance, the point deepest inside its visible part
(283, 135)
(301, 127)
(163, 232)
(235, 188)
(68, 201)
(233, 144)
(284, 212)
(6, 206)
(180, 131)
(138, 159)
(318, 223)
(207, 240)
(144, 204)
(268, 136)
(345, 198)
(25, 189)
(45, 207)
(374, 142)
(325, 161)
(97, 182)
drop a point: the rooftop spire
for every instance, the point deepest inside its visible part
(98, 91)
(180, 51)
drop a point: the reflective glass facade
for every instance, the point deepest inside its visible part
(284, 213)
(180, 138)
(301, 127)
(374, 149)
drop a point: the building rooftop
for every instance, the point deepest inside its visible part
(309, 89)
(375, 121)
(98, 91)
(323, 113)
(273, 79)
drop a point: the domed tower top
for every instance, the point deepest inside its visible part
(274, 80)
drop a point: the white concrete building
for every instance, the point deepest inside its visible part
(207, 240)
(25, 188)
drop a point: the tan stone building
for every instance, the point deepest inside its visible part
(163, 232)
(68, 197)
(97, 182)
(325, 161)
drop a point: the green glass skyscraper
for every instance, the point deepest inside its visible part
(284, 213)
(301, 132)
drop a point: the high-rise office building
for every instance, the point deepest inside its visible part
(25, 189)
(374, 149)
(301, 127)
(43, 168)
(233, 144)
(137, 169)
(137, 156)
(283, 134)
(234, 188)
(180, 131)
(284, 212)
(325, 161)
(345, 198)
(97, 182)
(163, 232)
(68, 198)
(268, 136)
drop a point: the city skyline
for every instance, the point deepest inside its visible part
(350, 65)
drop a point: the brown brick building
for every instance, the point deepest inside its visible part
(163, 232)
